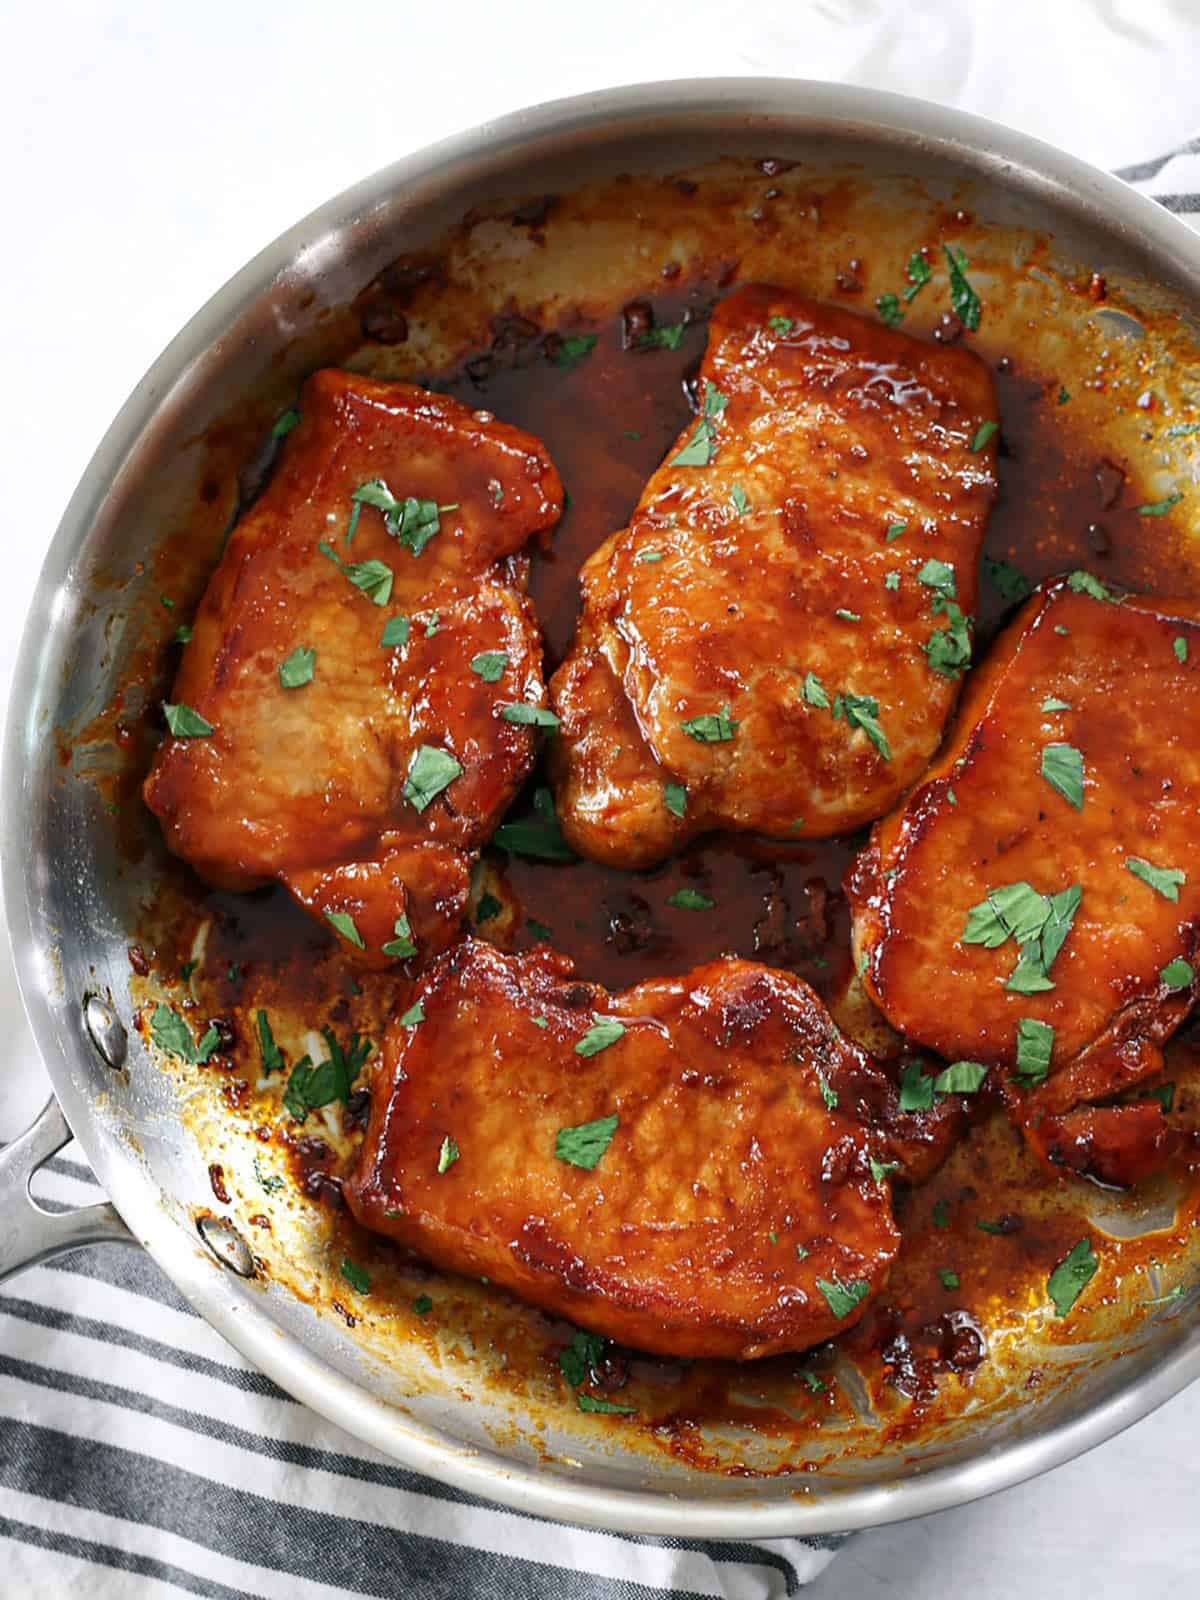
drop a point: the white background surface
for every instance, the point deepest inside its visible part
(147, 151)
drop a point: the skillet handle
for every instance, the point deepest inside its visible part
(28, 1234)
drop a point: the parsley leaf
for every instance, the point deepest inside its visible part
(270, 1182)
(583, 1145)
(542, 840)
(374, 578)
(357, 1277)
(487, 908)
(1178, 974)
(1164, 1093)
(690, 900)
(1053, 703)
(572, 348)
(916, 1090)
(711, 728)
(183, 633)
(893, 531)
(881, 1169)
(171, 1033)
(780, 325)
(1180, 647)
(591, 1402)
(414, 1016)
(581, 1358)
(843, 1297)
(741, 503)
(430, 771)
(1084, 583)
(603, 1032)
(960, 1077)
(814, 692)
(1009, 582)
(701, 447)
(423, 1304)
(963, 299)
(847, 616)
(949, 649)
(861, 712)
(402, 946)
(675, 798)
(828, 1092)
(395, 633)
(939, 577)
(527, 716)
(891, 580)
(950, 1280)
(1159, 508)
(941, 1213)
(889, 308)
(1165, 880)
(918, 272)
(983, 433)
(1072, 1275)
(346, 926)
(297, 670)
(1035, 1042)
(411, 522)
(539, 930)
(272, 1060)
(447, 1155)
(285, 423)
(185, 723)
(309, 1088)
(1062, 768)
(668, 337)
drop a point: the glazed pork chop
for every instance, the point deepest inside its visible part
(343, 718)
(775, 641)
(1033, 905)
(671, 1167)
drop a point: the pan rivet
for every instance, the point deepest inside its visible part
(105, 1030)
(226, 1244)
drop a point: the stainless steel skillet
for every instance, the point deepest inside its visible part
(71, 904)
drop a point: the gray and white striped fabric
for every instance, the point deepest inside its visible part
(141, 1457)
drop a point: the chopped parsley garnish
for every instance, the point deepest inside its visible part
(185, 723)
(780, 325)
(950, 1280)
(948, 649)
(891, 580)
(963, 299)
(447, 1155)
(346, 926)
(583, 1145)
(843, 1297)
(938, 576)
(395, 633)
(309, 1088)
(711, 727)
(603, 1032)
(1165, 880)
(402, 946)
(411, 522)
(649, 555)
(960, 1077)
(541, 839)
(1164, 1093)
(487, 908)
(811, 1382)
(741, 503)
(423, 1304)
(847, 616)
(802, 1252)
(1178, 974)
(893, 531)
(1180, 647)
(171, 1033)
(285, 423)
(573, 347)
(539, 930)
(814, 692)
(1009, 582)
(862, 711)
(916, 1090)
(1084, 583)
(1062, 768)
(298, 669)
(527, 716)
(374, 578)
(187, 969)
(881, 1169)
(1035, 1042)
(272, 1060)
(890, 309)
(270, 1182)
(1038, 923)
(668, 337)
(918, 272)
(828, 1092)
(985, 1226)
(675, 798)
(580, 1360)
(941, 1213)
(434, 622)
(1181, 430)
(983, 433)
(357, 1277)
(414, 1015)
(1072, 1275)
(701, 447)
(183, 633)
(690, 900)
(1159, 508)
(1063, 395)
(1053, 703)
(592, 1402)
(431, 771)
(167, 601)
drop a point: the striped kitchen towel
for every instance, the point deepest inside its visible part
(141, 1457)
